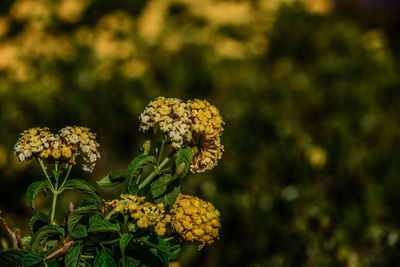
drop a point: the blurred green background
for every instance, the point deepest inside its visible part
(309, 91)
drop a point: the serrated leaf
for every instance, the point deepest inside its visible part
(167, 194)
(80, 231)
(26, 242)
(82, 186)
(31, 259)
(36, 222)
(88, 202)
(77, 215)
(11, 258)
(111, 179)
(134, 168)
(124, 242)
(126, 261)
(53, 263)
(73, 254)
(104, 259)
(43, 234)
(159, 186)
(184, 155)
(98, 224)
(33, 190)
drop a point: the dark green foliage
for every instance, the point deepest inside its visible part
(99, 224)
(31, 259)
(165, 189)
(82, 186)
(33, 190)
(45, 233)
(134, 168)
(73, 254)
(105, 258)
(12, 258)
(78, 214)
(184, 156)
(110, 180)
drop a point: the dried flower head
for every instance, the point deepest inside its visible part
(195, 219)
(145, 214)
(32, 142)
(209, 152)
(206, 120)
(84, 142)
(169, 115)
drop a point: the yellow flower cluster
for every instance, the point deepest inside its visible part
(195, 219)
(169, 115)
(33, 142)
(41, 143)
(196, 123)
(146, 214)
(83, 141)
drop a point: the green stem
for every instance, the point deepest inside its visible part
(53, 207)
(45, 173)
(66, 177)
(154, 173)
(108, 217)
(161, 149)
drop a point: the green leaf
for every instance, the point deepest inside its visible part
(126, 261)
(104, 259)
(38, 221)
(124, 242)
(77, 215)
(73, 254)
(53, 263)
(165, 190)
(111, 179)
(33, 191)
(98, 224)
(88, 202)
(12, 258)
(31, 259)
(83, 186)
(44, 233)
(26, 241)
(184, 155)
(80, 231)
(134, 168)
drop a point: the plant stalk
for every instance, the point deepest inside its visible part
(154, 173)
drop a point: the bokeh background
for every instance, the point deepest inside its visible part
(309, 91)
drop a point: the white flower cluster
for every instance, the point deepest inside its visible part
(83, 141)
(32, 142)
(169, 115)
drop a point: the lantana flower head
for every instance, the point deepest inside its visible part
(32, 142)
(208, 154)
(169, 115)
(84, 142)
(145, 214)
(195, 219)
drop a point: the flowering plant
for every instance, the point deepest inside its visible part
(148, 223)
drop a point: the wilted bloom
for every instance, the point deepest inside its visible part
(209, 152)
(195, 219)
(169, 115)
(84, 142)
(32, 142)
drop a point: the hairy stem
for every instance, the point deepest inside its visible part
(53, 207)
(154, 173)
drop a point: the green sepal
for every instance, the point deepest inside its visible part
(82, 186)
(73, 254)
(33, 190)
(98, 224)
